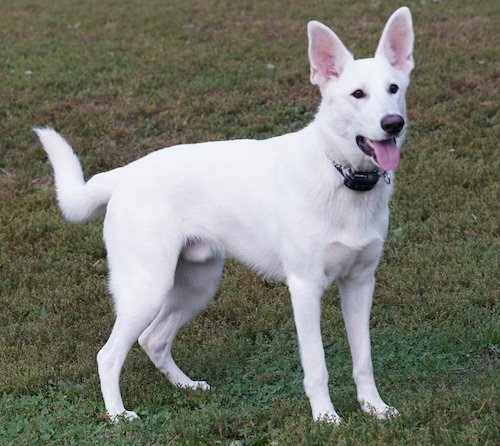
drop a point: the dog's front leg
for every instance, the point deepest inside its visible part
(306, 301)
(356, 297)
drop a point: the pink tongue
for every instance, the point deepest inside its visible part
(387, 154)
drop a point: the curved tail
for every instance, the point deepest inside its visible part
(78, 201)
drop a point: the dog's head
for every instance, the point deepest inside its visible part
(363, 108)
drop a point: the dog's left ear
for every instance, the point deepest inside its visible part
(396, 43)
(327, 54)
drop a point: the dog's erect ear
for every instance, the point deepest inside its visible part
(396, 43)
(327, 54)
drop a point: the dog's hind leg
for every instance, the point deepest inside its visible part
(195, 284)
(137, 306)
(142, 269)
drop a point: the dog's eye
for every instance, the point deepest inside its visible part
(358, 94)
(393, 88)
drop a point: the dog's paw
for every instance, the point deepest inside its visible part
(388, 413)
(127, 415)
(201, 385)
(194, 385)
(379, 411)
(329, 417)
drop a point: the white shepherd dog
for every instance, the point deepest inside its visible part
(307, 208)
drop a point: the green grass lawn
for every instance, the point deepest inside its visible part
(122, 78)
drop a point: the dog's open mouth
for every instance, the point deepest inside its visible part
(385, 153)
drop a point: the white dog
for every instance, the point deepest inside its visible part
(307, 208)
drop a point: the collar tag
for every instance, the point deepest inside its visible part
(361, 181)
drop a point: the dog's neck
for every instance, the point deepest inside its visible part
(339, 148)
(358, 172)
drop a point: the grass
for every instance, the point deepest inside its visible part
(120, 79)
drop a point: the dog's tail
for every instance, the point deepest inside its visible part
(79, 201)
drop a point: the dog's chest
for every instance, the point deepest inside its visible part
(341, 260)
(356, 219)
(357, 227)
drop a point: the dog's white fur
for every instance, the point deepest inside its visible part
(277, 205)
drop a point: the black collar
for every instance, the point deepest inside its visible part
(360, 180)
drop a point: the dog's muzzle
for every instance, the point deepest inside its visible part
(385, 153)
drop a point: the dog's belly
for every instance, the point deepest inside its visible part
(263, 260)
(253, 253)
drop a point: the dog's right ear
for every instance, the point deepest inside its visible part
(396, 43)
(327, 54)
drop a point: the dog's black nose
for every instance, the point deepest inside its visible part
(392, 124)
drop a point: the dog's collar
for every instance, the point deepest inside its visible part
(360, 180)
